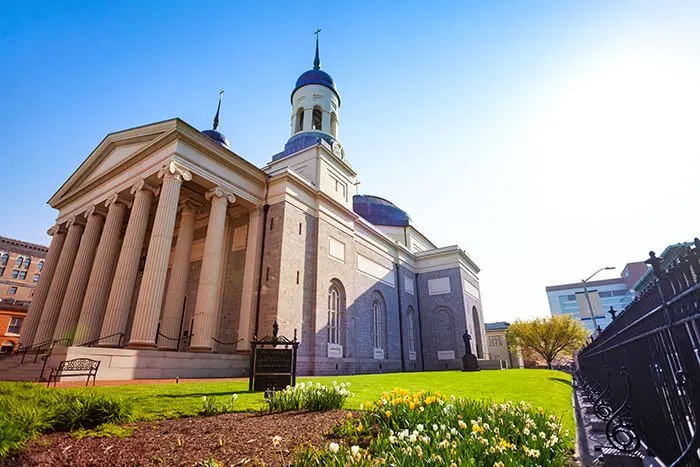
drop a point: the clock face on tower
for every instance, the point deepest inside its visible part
(337, 149)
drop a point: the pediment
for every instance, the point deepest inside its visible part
(115, 151)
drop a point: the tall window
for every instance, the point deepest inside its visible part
(4, 258)
(40, 265)
(19, 261)
(22, 275)
(300, 120)
(15, 325)
(27, 262)
(36, 278)
(15, 273)
(411, 330)
(378, 334)
(2, 270)
(334, 125)
(333, 315)
(12, 290)
(317, 120)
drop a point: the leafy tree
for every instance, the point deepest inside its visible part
(548, 337)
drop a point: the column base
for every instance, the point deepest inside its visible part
(199, 348)
(141, 345)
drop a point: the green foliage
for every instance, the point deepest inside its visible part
(309, 396)
(27, 410)
(214, 406)
(548, 337)
(210, 462)
(407, 429)
(108, 430)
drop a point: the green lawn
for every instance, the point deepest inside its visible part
(548, 389)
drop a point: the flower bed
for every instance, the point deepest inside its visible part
(309, 396)
(405, 429)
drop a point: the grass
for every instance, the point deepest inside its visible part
(548, 389)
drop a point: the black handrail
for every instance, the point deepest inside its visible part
(98, 340)
(226, 343)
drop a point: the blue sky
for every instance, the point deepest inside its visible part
(547, 139)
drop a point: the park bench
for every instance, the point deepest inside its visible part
(75, 367)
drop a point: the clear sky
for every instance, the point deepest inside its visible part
(547, 139)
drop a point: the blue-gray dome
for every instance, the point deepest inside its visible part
(319, 77)
(217, 136)
(379, 211)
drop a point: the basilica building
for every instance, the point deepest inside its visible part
(170, 252)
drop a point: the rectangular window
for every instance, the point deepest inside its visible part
(36, 278)
(605, 294)
(619, 293)
(2, 271)
(571, 298)
(15, 273)
(15, 325)
(23, 275)
(495, 341)
(12, 290)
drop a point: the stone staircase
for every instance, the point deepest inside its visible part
(13, 369)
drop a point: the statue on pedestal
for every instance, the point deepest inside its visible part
(469, 362)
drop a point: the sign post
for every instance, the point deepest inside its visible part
(273, 368)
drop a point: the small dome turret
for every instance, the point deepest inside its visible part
(214, 134)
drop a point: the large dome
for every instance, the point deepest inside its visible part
(316, 76)
(379, 211)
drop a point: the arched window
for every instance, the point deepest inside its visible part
(411, 324)
(334, 125)
(40, 265)
(4, 258)
(27, 262)
(477, 333)
(317, 119)
(19, 261)
(300, 120)
(333, 315)
(379, 325)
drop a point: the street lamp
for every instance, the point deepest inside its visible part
(588, 300)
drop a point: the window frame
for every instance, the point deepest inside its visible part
(378, 325)
(334, 315)
(12, 290)
(18, 326)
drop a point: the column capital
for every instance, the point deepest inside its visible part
(54, 229)
(77, 220)
(190, 205)
(94, 209)
(143, 185)
(174, 170)
(219, 192)
(115, 198)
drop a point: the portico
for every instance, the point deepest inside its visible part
(154, 245)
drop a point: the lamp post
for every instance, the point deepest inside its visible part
(588, 300)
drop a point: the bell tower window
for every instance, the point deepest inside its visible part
(334, 125)
(300, 120)
(317, 118)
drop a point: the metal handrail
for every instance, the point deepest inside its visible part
(95, 341)
(226, 343)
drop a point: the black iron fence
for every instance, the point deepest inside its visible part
(642, 373)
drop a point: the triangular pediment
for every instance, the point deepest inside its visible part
(116, 150)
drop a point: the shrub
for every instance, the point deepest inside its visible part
(422, 428)
(27, 410)
(212, 406)
(309, 396)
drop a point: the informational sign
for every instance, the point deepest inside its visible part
(446, 355)
(273, 362)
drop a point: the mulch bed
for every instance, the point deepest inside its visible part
(233, 439)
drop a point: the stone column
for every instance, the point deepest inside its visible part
(210, 279)
(101, 275)
(75, 292)
(119, 302)
(59, 283)
(250, 278)
(150, 301)
(31, 323)
(177, 285)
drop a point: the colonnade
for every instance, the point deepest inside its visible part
(87, 288)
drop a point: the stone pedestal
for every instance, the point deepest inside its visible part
(469, 363)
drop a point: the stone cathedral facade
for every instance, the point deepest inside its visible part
(170, 252)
